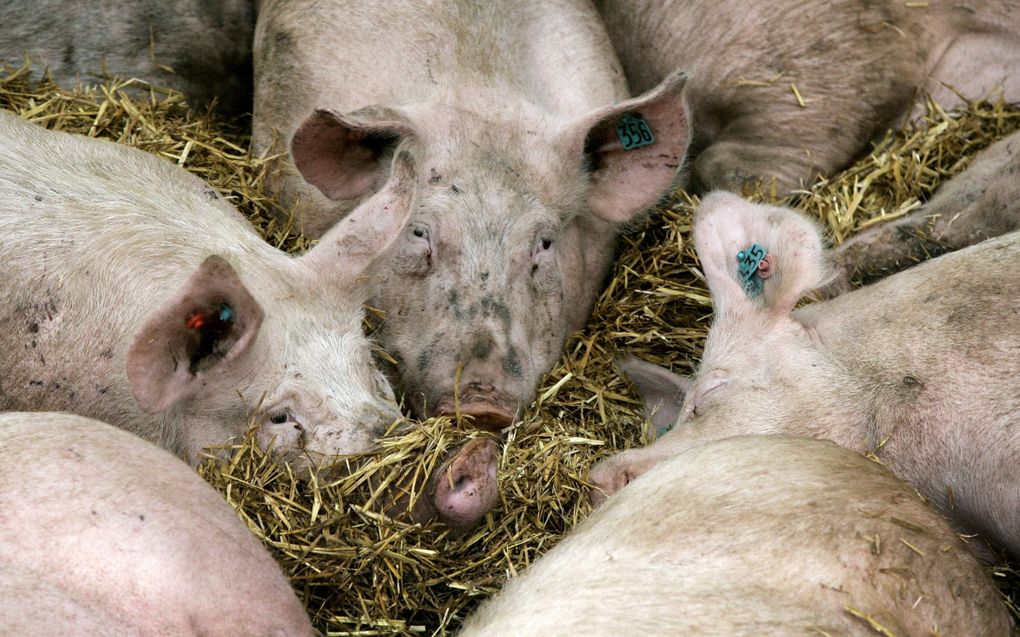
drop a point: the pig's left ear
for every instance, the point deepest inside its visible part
(633, 150)
(661, 390)
(353, 244)
(210, 322)
(756, 254)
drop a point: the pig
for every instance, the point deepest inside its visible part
(919, 369)
(134, 293)
(517, 114)
(787, 90)
(202, 49)
(981, 202)
(104, 533)
(754, 535)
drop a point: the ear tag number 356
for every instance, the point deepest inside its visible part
(634, 132)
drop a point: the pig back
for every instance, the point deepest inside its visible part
(104, 531)
(748, 536)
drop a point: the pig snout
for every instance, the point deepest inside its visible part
(490, 410)
(464, 488)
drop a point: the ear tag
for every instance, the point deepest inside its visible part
(755, 267)
(226, 313)
(634, 132)
(195, 321)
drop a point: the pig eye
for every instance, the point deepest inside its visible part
(542, 244)
(420, 231)
(280, 417)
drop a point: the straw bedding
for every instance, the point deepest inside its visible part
(363, 573)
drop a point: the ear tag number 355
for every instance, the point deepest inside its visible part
(634, 132)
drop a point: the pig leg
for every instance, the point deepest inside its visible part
(731, 164)
(980, 203)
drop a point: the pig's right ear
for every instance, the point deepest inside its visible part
(661, 390)
(757, 256)
(340, 153)
(350, 246)
(207, 324)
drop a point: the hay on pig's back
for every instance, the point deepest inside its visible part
(361, 573)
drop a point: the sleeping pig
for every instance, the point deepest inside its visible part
(920, 369)
(530, 159)
(769, 535)
(105, 534)
(788, 89)
(135, 294)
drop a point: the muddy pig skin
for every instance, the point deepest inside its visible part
(789, 89)
(198, 47)
(511, 110)
(920, 369)
(769, 535)
(102, 533)
(981, 202)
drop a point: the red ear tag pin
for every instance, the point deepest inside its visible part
(196, 320)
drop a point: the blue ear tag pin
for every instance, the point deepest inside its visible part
(226, 313)
(755, 266)
(634, 132)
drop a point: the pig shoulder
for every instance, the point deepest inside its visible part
(107, 529)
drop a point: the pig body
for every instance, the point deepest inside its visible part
(103, 533)
(200, 48)
(919, 369)
(981, 202)
(511, 111)
(788, 89)
(760, 535)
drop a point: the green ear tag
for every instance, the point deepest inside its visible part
(749, 262)
(634, 132)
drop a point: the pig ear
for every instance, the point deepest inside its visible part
(339, 153)
(207, 324)
(351, 246)
(784, 255)
(661, 390)
(627, 181)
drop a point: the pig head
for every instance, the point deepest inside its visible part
(512, 233)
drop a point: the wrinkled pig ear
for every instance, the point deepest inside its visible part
(783, 254)
(661, 390)
(209, 322)
(339, 153)
(656, 129)
(356, 240)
